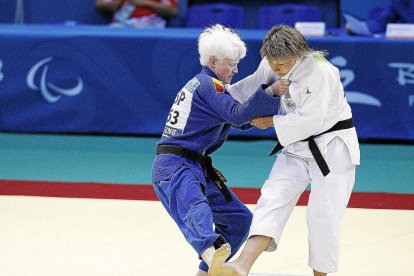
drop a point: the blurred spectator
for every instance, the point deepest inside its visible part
(139, 13)
(399, 11)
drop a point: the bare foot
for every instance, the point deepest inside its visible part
(219, 258)
(232, 269)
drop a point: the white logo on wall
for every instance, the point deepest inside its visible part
(348, 76)
(405, 72)
(49, 91)
(1, 72)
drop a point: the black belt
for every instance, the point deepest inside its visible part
(314, 148)
(204, 160)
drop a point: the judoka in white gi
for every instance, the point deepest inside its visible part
(315, 106)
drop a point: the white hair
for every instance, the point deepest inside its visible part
(220, 42)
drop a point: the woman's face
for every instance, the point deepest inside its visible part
(281, 68)
(224, 69)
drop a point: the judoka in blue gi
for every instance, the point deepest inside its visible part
(208, 213)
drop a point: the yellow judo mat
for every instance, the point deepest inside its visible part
(44, 236)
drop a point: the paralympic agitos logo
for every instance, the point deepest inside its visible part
(50, 91)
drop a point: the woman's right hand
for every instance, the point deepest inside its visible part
(280, 87)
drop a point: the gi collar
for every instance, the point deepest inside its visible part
(207, 71)
(218, 84)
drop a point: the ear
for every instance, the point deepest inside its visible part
(212, 61)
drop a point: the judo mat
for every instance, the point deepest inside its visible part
(84, 237)
(66, 209)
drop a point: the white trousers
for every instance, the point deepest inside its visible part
(327, 202)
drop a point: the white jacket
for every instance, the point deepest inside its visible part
(316, 101)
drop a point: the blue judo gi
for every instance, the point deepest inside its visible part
(199, 120)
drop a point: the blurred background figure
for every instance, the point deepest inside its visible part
(140, 13)
(398, 11)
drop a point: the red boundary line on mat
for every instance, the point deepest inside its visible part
(145, 192)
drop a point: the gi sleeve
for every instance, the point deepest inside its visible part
(308, 117)
(230, 110)
(244, 89)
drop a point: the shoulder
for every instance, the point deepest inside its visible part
(320, 66)
(316, 60)
(192, 85)
(205, 80)
(322, 72)
(210, 83)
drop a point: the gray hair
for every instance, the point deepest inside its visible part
(283, 43)
(220, 42)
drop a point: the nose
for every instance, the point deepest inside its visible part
(236, 69)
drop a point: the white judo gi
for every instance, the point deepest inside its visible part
(315, 102)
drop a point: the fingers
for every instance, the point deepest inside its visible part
(280, 87)
(256, 123)
(285, 82)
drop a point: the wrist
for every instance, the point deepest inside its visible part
(269, 91)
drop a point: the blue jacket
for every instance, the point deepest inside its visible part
(399, 11)
(203, 113)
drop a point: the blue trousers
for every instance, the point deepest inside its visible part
(197, 205)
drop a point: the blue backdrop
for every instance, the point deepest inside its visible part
(97, 79)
